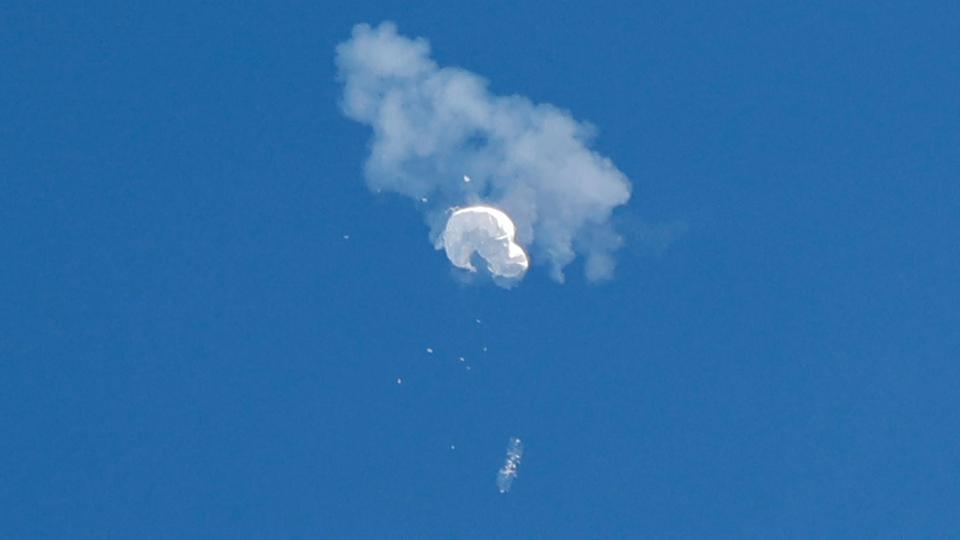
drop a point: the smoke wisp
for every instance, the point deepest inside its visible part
(432, 125)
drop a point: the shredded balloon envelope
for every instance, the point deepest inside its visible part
(489, 233)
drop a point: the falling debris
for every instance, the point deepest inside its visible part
(399, 380)
(484, 349)
(487, 232)
(453, 447)
(508, 472)
(466, 179)
(429, 350)
(346, 237)
(424, 199)
(461, 359)
(478, 321)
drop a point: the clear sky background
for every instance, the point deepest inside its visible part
(189, 348)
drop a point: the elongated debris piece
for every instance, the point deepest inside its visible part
(508, 472)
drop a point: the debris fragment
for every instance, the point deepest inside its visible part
(508, 472)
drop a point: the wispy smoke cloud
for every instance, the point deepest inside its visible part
(433, 125)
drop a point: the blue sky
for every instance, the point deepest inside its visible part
(189, 348)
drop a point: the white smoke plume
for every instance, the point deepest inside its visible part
(432, 125)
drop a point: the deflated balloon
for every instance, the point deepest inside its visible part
(489, 233)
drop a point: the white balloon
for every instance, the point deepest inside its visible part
(489, 233)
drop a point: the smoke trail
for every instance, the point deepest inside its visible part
(432, 125)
